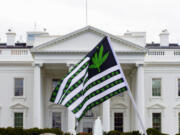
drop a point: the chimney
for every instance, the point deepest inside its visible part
(10, 38)
(164, 38)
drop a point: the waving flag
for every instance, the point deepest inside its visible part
(96, 78)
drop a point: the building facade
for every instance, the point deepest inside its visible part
(29, 72)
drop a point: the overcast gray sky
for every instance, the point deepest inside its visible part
(113, 16)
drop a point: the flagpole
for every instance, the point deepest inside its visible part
(137, 113)
(86, 12)
(129, 91)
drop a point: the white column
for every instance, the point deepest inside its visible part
(37, 98)
(106, 115)
(139, 97)
(71, 117)
(71, 123)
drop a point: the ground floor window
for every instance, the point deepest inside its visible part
(88, 122)
(118, 122)
(156, 121)
(18, 120)
(56, 120)
(87, 126)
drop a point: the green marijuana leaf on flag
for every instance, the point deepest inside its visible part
(99, 60)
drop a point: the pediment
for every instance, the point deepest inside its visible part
(84, 40)
(119, 106)
(55, 106)
(156, 106)
(18, 106)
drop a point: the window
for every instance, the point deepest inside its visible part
(88, 121)
(178, 87)
(156, 120)
(56, 120)
(87, 126)
(118, 122)
(18, 120)
(19, 84)
(89, 113)
(156, 87)
(54, 83)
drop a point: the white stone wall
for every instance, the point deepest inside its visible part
(7, 98)
(168, 103)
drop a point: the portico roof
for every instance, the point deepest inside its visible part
(122, 46)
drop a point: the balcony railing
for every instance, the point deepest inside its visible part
(19, 52)
(163, 53)
(14, 52)
(156, 53)
(15, 55)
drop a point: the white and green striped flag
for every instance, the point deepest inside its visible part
(96, 78)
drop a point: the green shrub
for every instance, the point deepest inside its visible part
(121, 133)
(2, 131)
(132, 133)
(83, 133)
(152, 131)
(67, 134)
(14, 131)
(114, 132)
(32, 131)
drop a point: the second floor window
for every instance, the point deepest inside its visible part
(156, 87)
(178, 87)
(19, 86)
(89, 113)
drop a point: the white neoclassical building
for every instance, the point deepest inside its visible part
(29, 72)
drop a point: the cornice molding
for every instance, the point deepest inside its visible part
(84, 52)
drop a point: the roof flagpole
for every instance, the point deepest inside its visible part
(86, 12)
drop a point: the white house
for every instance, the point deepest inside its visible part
(29, 72)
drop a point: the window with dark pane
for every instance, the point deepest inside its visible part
(156, 87)
(178, 87)
(18, 120)
(156, 120)
(87, 126)
(56, 120)
(19, 84)
(54, 83)
(118, 122)
(89, 113)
